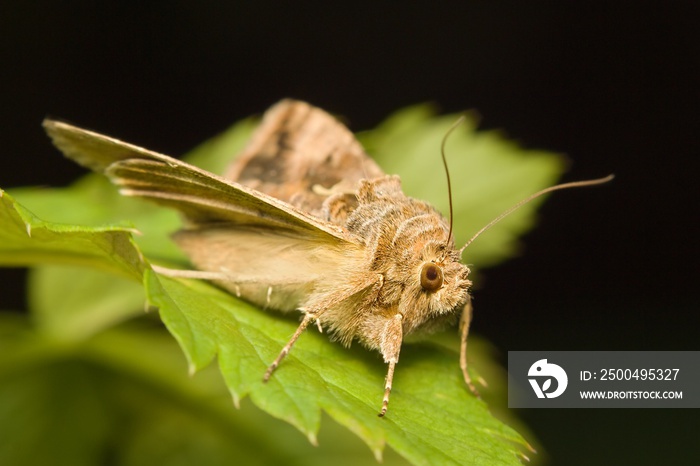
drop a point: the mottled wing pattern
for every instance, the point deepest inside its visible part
(301, 155)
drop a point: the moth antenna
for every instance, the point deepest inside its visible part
(454, 126)
(574, 184)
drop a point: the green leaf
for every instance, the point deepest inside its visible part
(27, 240)
(69, 300)
(93, 201)
(347, 384)
(433, 419)
(102, 402)
(74, 303)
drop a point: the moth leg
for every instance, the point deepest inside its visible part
(464, 332)
(311, 316)
(387, 388)
(390, 348)
(308, 318)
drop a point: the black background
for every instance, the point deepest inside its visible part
(612, 84)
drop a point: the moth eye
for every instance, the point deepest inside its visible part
(431, 277)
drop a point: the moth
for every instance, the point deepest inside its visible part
(304, 220)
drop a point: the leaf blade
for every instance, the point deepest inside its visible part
(26, 240)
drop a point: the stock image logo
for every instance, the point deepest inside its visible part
(541, 374)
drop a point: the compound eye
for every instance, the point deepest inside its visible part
(431, 277)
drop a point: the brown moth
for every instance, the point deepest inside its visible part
(304, 220)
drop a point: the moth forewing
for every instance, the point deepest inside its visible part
(201, 196)
(298, 149)
(206, 198)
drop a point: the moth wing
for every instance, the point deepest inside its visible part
(271, 270)
(299, 148)
(201, 196)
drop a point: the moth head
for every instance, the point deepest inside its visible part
(436, 294)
